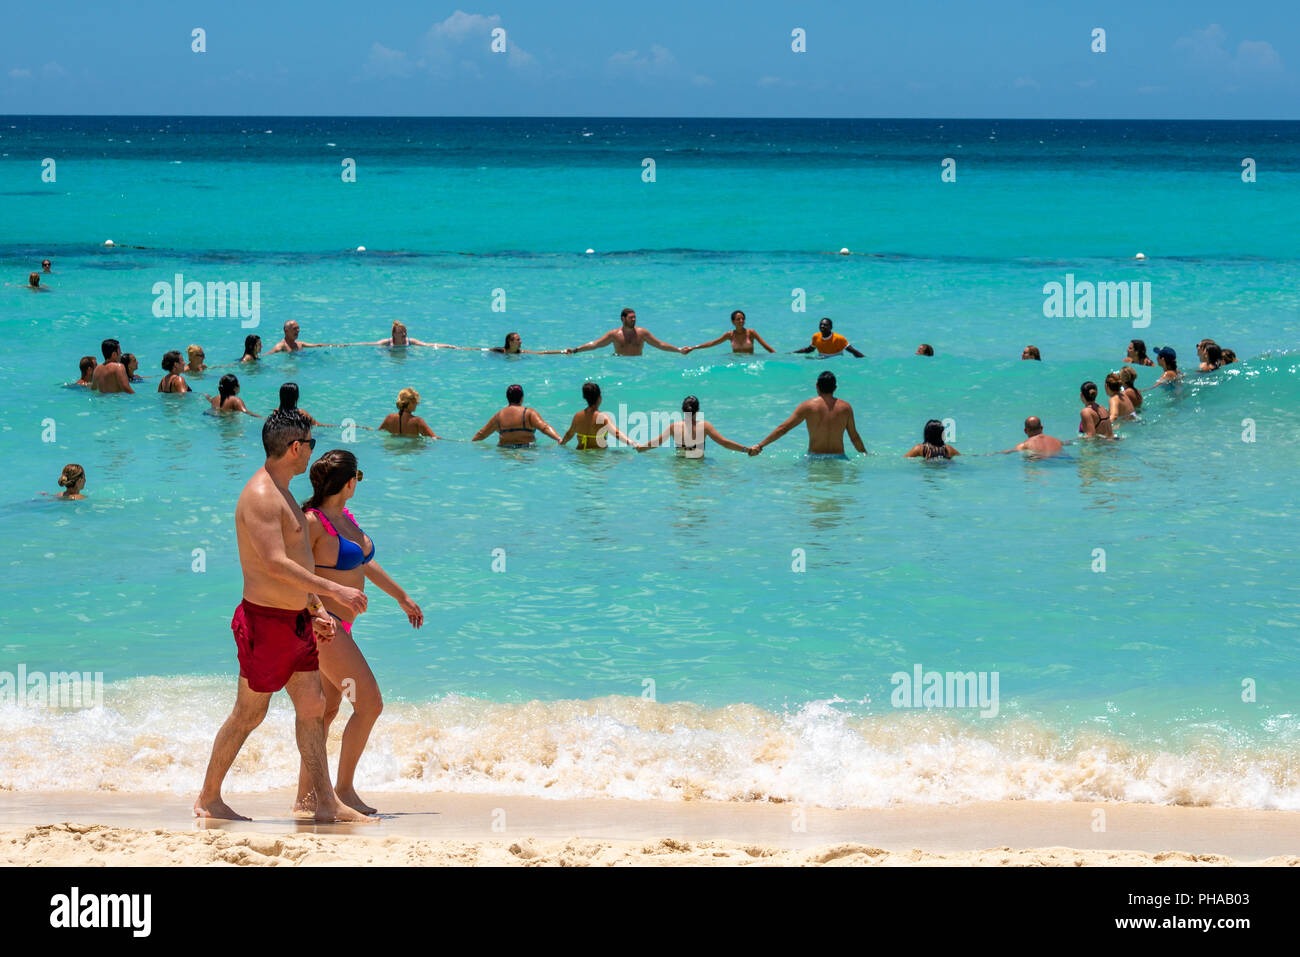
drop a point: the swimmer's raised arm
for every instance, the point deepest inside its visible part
(604, 340)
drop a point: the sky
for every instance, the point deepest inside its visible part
(962, 58)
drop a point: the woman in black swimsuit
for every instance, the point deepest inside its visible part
(516, 424)
(1093, 420)
(173, 364)
(932, 444)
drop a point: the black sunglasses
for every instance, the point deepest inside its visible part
(311, 443)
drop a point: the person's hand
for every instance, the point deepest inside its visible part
(640, 448)
(354, 598)
(567, 352)
(413, 613)
(686, 349)
(322, 623)
(754, 450)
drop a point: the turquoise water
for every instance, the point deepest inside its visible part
(624, 569)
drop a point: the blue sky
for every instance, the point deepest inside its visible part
(659, 58)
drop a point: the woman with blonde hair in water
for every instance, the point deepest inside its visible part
(1128, 378)
(1121, 405)
(690, 433)
(343, 553)
(404, 421)
(72, 480)
(398, 339)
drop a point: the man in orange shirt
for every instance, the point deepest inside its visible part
(830, 343)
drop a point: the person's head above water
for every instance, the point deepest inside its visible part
(1229, 356)
(628, 316)
(1031, 352)
(825, 326)
(228, 386)
(591, 394)
(1167, 358)
(1137, 350)
(1033, 425)
(737, 318)
(1128, 376)
(87, 364)
(34, 279)
(1114, 384)
(112, 350)
(934, 432)
(45, 265)
(170, 359)
(290, 331)
(513, 342)
(1088, 391)
(330, 474)
(252, 346)
(925, 349)
(289, 396)
(690, 405)
(131, 362)
(826, 383)
(72, 478)
(515, 394)
(407, 400)
(398, 333)
(1213, 354)
(194, 353)
(282, 429)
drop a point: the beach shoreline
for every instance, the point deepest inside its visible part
(95, 828)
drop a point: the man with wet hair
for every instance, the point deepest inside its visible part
(827, 419)
(628, 339)
(110, 375)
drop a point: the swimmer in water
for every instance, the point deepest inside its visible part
(932, 444)
(827, 419)
(1128, 378)
(1137, 353)
(110, 375)
(34, 283)
(404, 421)
(87, 366)
(1093, 420)
(515, 430)
(227, 399)
(1229, 357)
(1036, 440)
(131, 363)
(290, 341)
(1211, 355)
(398, 338)
(173, 364)
(45, 265)
(592, 426)
(72, 480)
(514, 346)
(196, 357)
(925, 349)
(828, 342)
(345, 555)
(628, 339)
(1031, 352)
(690, 434)
(289, 403)
(252, 348)
(1168, 361)
(1119, 401)
(742, 339)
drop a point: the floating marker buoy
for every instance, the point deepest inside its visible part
(361, 249)
(590, 251)
(108, 242)
(1139, 256)
(844, 251)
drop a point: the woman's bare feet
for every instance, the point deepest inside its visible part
(335, 812)
(353, 800)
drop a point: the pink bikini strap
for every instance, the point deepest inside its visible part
(325, 521)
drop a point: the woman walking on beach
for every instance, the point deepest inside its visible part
(343, 553)
(1093, 420)
(932, 444)
(742, 339)
(173, 364)
(689, 435)
(227, 398)
(516, 425)
(588, 424)
(404, 421)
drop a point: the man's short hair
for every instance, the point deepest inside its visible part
(623, 314)
(109, 346)
(826, 383)
(282, 429)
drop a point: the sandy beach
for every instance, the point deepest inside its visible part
(458, 829)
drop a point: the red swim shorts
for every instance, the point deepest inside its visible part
(273, 643)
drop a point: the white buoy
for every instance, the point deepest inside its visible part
(1140, 256)
(361, 249)
(590, 251)
(844, 251)
(108, 242)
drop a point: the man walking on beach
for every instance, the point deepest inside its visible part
(1038, 442)
(827, 418)
(290, 341)
(279, 621)
(829, 343)
(628, 340)
(110, 375)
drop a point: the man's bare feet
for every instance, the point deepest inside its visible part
(353, 800)
(216, 808)
(336, 813)
(305, 804)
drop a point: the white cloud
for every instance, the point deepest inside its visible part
(52, 70)
(1025, 82)
(659, 61)
(464, 35)
(386, 62)
(18, 73)
(1208, 49)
